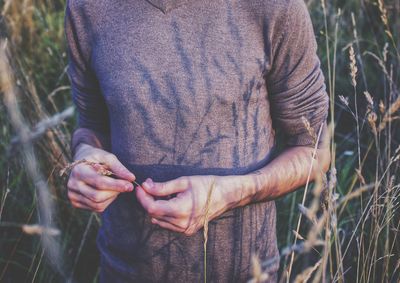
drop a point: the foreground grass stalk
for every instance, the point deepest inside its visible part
(353, 75)
(45, 207)
(205, 227)
(84, 238)
(313, 159)
(332, 180)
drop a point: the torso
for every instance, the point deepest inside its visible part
(186, 94)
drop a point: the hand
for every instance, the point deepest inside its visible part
(185, 210)
(88, 189)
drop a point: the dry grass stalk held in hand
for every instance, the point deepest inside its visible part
(101, 168)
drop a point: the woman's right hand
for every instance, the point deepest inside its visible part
(90, 190)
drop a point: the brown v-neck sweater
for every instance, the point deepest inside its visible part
(181, 87)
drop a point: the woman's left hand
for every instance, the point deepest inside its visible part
(181, 205)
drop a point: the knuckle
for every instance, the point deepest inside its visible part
(154, 210)
(75, 204)
(95, 197)
(98, 206)
(75, 172)
(184, 224)
(71, 196)
(79, 171)
(70, 183)
(188, 232)
(151, 210)
(100, 210)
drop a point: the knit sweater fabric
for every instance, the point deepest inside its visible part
(185, 87)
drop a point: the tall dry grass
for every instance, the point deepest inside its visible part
(361, 216)
(36, 123)
(342, 228)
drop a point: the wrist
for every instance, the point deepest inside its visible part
(80, 150)
(239, 190)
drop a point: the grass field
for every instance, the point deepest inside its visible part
(349, 235)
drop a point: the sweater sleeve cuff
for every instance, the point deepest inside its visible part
(90, 137)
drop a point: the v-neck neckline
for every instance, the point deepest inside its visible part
(166, 5)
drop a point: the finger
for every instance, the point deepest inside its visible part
(167, 225)
(94, 194)
(166, 188)
(118, 168)
(108, 202)
(78, 198)
(94, 206)
(156, 208)
(90, 176)
(80, 205)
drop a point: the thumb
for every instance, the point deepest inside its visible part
(165, 188)
(118, 168)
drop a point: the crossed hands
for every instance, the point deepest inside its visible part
(184, 204)
(181, 205)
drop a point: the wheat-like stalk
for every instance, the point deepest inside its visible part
(353, 66)
(101, 168)
(309, 129)
(353, 76)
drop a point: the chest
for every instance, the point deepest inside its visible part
(196, 47)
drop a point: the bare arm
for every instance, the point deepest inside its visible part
(185, 213)
(283, 175)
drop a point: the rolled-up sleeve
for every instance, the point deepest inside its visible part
(295, 82)
(85, 90)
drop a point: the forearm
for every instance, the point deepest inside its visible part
(87, 136)
(283, 175)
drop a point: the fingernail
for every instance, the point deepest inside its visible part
(150, 182)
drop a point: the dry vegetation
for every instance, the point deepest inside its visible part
(343, 228)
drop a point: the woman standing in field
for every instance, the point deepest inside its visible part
(184, 98)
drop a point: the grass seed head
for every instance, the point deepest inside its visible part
(353, 66)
